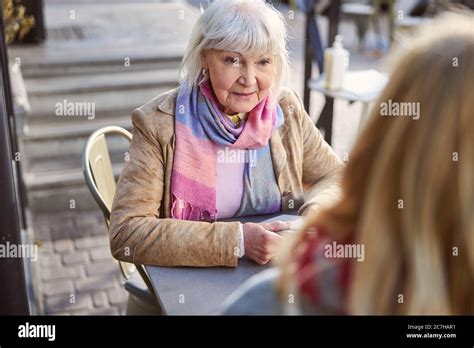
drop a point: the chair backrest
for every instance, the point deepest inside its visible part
(97, 167)
(99, 176)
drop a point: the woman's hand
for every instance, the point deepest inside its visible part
(260, 240)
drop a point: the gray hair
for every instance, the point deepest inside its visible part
(244, 26)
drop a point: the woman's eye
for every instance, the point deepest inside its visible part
(232, 60)
(264, 62)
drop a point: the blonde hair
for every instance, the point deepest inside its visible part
(243, 26)
(408, 189)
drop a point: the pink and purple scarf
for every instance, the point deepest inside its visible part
(200, 128)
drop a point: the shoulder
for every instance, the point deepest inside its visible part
(155, 118)
(293, 109)
(289, 96)
(291, 105)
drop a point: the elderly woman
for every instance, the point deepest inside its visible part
(229, 142)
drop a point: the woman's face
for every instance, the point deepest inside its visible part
(240, 81)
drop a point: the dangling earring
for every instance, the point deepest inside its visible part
(204, 76)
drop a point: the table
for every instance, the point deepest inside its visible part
(314, 49)
(200, 291)
(363, 86)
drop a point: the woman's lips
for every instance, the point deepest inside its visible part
(244, 96)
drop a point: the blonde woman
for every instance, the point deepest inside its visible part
(231, 141)
(401, 239)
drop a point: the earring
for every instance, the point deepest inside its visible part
(204, 76)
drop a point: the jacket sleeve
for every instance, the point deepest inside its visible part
(322, 168)
(137, 232)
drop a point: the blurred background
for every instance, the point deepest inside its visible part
(117, 54)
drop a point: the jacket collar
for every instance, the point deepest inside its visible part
(167, 101)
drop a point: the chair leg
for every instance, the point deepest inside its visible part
(137, 306)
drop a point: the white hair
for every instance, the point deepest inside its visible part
(244, 26)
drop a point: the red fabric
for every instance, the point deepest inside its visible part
(308, 258)
(305, 262)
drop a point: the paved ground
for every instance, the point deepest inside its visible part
(76, 273)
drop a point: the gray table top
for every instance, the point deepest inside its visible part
(200, 291)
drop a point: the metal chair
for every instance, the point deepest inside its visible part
(99, 177)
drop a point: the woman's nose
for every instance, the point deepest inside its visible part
(248, 78)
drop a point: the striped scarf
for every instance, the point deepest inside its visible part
(200, 127)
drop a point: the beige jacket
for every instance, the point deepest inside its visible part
(142, 230)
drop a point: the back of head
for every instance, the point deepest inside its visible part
(408, 189)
